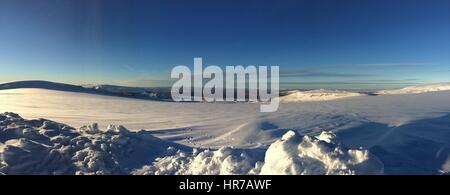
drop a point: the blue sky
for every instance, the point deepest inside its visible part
(316, 43)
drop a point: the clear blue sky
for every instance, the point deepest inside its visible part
(317, 43)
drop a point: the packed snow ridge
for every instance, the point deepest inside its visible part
(46, 147)
(317, 95)
(418, 89)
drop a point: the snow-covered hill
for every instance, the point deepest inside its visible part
(417, 89)
(327, 95)
(45, 85)
(317, 95)
(160, 94)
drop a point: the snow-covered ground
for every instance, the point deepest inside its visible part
(46, 147)
(405, 133)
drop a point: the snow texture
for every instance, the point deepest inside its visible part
(320, 155)
(46, 147)
(290, 155)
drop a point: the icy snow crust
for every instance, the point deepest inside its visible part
(47, 147)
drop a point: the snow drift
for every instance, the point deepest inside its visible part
(418, 89)
(46, 147)
(320, 155)
(224, 161)
(316, 95)
(291, 155)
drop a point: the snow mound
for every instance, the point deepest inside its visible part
(418, 89)
(317, 95)
(445, 169)
(224, 161)
(46, 147)
(292, 154)
(320, 155)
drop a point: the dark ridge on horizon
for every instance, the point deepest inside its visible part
(107, 90)
(40, 84)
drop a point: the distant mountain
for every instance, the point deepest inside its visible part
(115, 88)
(44, 85)
(160, 94)
(317, 95)
(417, 89)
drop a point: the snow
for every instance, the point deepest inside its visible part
(408, 133)
(327, 95)
(446, 167)
(44, 85)
(296, 155)
(418, 89)
(46, 147)
(224, 161)
(317, 95)
(160, 94)
(290, 155)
